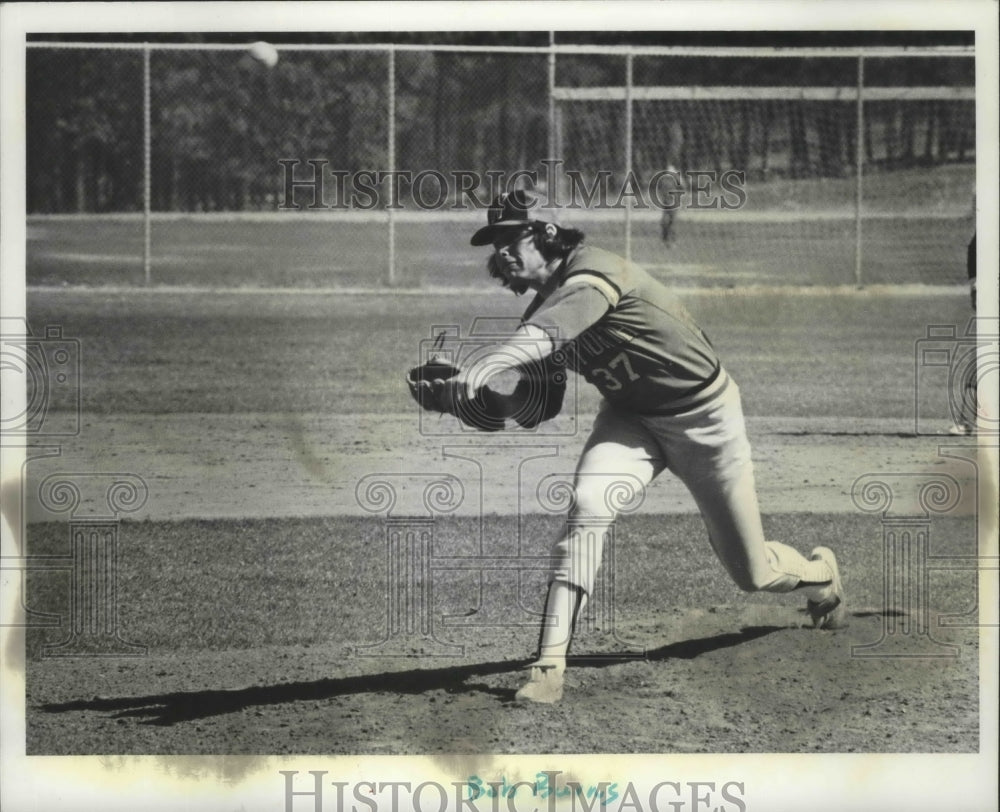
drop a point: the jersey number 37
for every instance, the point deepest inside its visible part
(610, 377)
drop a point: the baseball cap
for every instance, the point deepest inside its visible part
(508, 210)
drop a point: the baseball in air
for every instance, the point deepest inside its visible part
(264, 52)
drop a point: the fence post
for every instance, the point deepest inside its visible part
(859, 169)
(392, 163)
(628, 152)
(552, 193)
(556, 137)
(147, 161)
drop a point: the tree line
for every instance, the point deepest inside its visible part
(221, 121)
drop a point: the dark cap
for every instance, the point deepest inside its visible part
(509, 210)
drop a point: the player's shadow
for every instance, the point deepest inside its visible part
(681, 650)
(186, 706)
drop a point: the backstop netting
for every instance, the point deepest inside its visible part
(742, 169)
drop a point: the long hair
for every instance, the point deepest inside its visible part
(558, 245)
(554, 246)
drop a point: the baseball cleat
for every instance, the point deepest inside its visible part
(830, 612)
(545, 685)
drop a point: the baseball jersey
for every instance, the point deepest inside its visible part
(626, 333)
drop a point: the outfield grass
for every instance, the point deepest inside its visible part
(293, 252)
(916, 226)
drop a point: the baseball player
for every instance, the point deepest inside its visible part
(668, 405)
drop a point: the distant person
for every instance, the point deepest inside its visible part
(966, 423)
(672, 207)
(970, 265)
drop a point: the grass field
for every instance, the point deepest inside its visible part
(916, 226)
(303, 253)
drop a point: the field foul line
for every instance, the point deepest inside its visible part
(908, 290)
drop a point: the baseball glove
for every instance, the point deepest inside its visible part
(427, 383)
(421, 380)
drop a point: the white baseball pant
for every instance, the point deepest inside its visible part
(708, 450)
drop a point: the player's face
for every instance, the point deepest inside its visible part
(520, 259)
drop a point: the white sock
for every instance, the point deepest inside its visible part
(557, 626)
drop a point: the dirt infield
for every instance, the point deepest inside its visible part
(719, 679)
(271, 465)
(721, 672)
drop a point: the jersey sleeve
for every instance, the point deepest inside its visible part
(582, 300)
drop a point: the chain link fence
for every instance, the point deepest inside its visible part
(369, 165)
